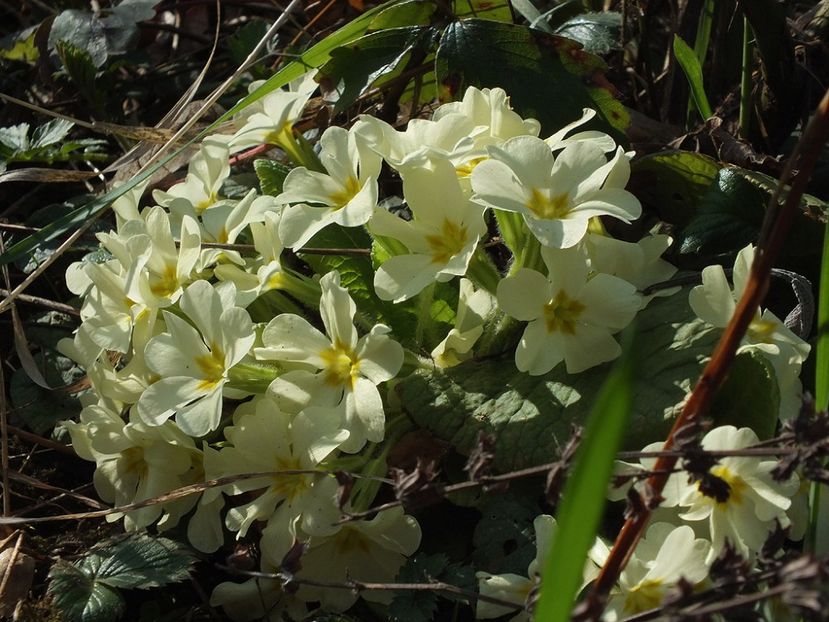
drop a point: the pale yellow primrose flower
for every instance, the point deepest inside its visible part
(473, 308)
(201, 188)
(560, 139)
(571, 317)
(137, 462)
(665, 555)
(371, 551)
(271, 440)
(270, 119)
(349, 368)
(193, 363)
(714, 302)
(441, 237)
(556, 195)
(346, 196)
(754, 501)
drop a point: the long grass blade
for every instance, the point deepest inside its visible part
(692, 69)
(583, 500)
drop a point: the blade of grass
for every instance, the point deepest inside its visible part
(816, 539)
(692, 69)
(745, 80)
(583, 500)
(312, 58)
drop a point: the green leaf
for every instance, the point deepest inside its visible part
(242, 42)
(140, 561)
(493, 10)
(80, 599)
(38, 408)
(15, 138)
(406, 13)
(729, 216)
(417, 606)
(80, 66)
(672, 183)
(740, 404)
(504, 538)
(531, 416)
(50, 133)
(599, 33)
(83, 30)
(534, 68)
(355, 67)
(584, 498)
(688, 61)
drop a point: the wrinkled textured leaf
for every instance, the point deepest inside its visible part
(534, 68)
(743, 405)
(599, 33)
(50, 133)
(493, 10)
(40, 409)
(504, 538)
(139, 561)
(83, 30)
(355, 67)
(531, 416)
(417, 606)
(672, 183)
(271, 175)
(80, 598)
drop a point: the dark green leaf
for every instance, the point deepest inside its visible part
(740, 404)
(493, 10)
(242, 42)
(271, 175)
(672, 183)
(417, 606)
(688, 61)
(80, 598)
(599, 33)
(729, 217)
(83, 30)
(355, 67)
(38, 408)
(50, 133)
(504, 537)
(584, 498)
(534, 68)
(531, 416)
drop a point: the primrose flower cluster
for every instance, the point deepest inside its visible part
(213, 353)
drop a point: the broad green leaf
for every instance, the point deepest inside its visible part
(417, 606)
(534, 68)
(406, 13)
(599, 33)
(20, 46)
(688, 61)
(140, 561)
(80, 66)
(271, 175)
(50, 133)
(14, 138)
(672, 183)
(531, 416)
(504, 537)
(584, 498)
(729, 216)
(80, 599)
(355, 67)
(741, 404)
(242, 42)
(83, 30)
(38, 408)
(493, 10)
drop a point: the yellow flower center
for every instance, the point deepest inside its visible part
(761, 331)
(448, 243)
(548, 208)
(736, 484)
(341, 366)
(350, 541)
(212, 367)
(341, 198)
(562, 313)
(289, 486)
(465, 169)
(646, 595)
(204, 204)
(166, 283)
